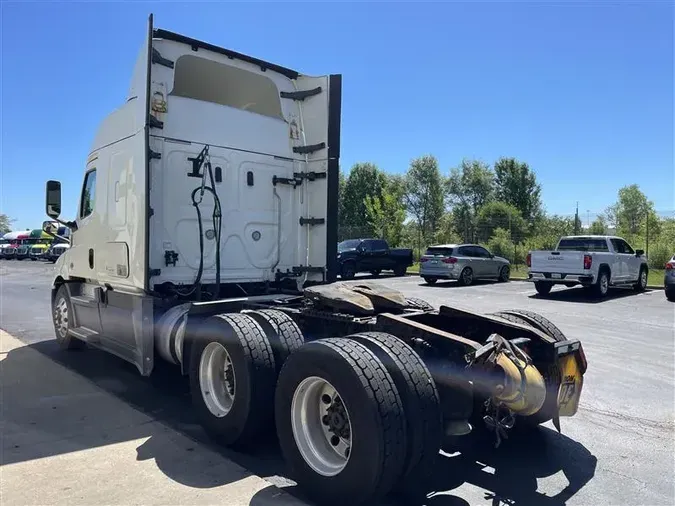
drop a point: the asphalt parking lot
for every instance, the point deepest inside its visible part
(618, 449)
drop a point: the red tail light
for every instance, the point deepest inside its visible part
(528, 260)
(588, 261)
(670, 266)
(449, 260)
(424, 260)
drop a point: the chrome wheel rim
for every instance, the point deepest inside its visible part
(643, 279)
(217, 379)
(61, 317)
(604, 284)
(321, 426)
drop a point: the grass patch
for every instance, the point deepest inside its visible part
(520, 272)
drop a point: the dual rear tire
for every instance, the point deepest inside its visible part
(355, 417)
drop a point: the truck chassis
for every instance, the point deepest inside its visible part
(361, 383)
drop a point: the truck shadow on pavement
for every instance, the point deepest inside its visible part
(35, 425)
(580, 295)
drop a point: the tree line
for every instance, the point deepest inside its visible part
(497, 205)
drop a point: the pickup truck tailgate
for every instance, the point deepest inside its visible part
(568, 262)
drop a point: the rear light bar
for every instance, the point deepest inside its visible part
(588, 261)
(528, 259)
(449, 260)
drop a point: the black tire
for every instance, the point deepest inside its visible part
(542, 287)
(421, 402)
(670, 295)
(430, 281)
(64, 339)
(552, 375)
(421, 304)
(504, 274)
(375, 412)
(282, 332)
(400, 271)
(641, 284)
(376, 272)
(466, 277)
(601, 286)
(255, 378)
(348, 270)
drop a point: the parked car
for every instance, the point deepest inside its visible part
(463, 262)
(372, 255)
(593, 261)
(669, 279)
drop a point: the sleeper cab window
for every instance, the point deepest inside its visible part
(210, 81)
(88, 194)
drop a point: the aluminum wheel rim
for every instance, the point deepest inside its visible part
(321, 426)
(604, 284)
(217, 379)
(61, 317)
(643, 279)
(467, 276)
(505, 273)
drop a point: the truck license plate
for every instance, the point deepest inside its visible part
(570, 387)
(555, 275)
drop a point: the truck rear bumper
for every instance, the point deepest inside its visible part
(562, 278)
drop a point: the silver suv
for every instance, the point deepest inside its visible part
(463, 262)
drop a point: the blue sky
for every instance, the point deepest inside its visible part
(583, 92)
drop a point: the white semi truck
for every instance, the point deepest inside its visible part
(206, 236)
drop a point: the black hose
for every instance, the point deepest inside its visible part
(217, 223)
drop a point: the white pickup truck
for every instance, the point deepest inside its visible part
(593, 261)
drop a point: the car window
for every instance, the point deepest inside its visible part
(464, 251)
(446, 252)
(88, 194)
(583, 244)
(481, 252)
(617, 245)
(380, 245)
(367, 245)
(350, 244)
(626, 247)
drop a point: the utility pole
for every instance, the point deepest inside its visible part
(576, 220)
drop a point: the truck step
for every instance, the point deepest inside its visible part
(85, 334)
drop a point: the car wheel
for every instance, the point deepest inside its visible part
(62, 317)
(601, 286)
(641, 284)
(466, 277)
(348, 271)
(430, 281)
(340, 422)
(400, 271)
(670, 295)
(505, 274)
(542, 287)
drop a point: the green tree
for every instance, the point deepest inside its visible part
(424, 195)
(632, 214)
(494, 215)
(517, 185)
(471, 184)
(5, 224)
(365, 179)
(599, 226)
(386, 214)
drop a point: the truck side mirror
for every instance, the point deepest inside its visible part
(639, 252)
(49, 227)
(53, 199)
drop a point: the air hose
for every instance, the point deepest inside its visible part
(217, 224)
